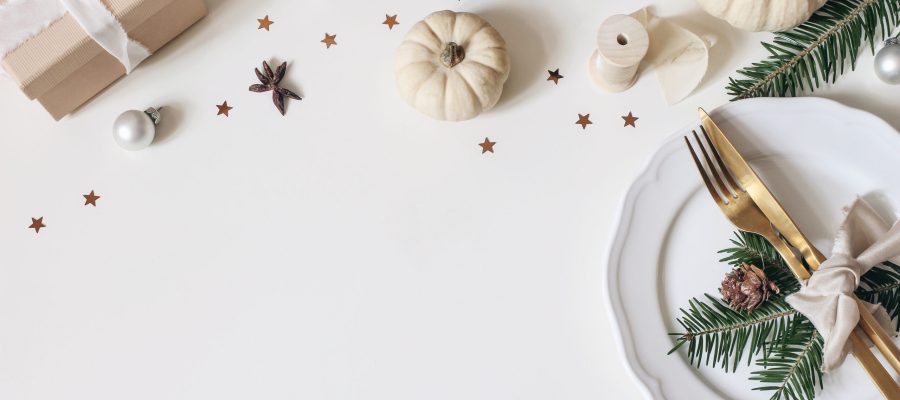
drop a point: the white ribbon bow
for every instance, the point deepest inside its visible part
(21, 20)
(863, 241)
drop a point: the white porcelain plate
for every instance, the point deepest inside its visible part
(816, 156)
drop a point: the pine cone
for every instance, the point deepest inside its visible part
(745, 288)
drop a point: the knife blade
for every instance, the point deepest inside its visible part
(760, 193)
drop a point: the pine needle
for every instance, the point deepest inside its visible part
(794, 368)
(881, 285)
(784, 344)
(817, 51)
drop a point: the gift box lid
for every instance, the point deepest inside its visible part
(53, 55)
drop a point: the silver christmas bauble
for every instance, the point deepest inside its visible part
(135, 130)
(887, 62)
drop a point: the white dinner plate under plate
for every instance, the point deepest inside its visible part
(815, 155)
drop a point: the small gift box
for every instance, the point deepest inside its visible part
(64, 52)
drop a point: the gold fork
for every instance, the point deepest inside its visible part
(756, 189)
(746, 216)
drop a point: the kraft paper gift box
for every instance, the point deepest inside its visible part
(63, 67)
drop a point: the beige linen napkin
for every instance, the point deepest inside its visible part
(863, 240)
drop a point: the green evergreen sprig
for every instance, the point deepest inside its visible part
(881, 285)
(715, 332)
(723, 337)
(794, 368)
(784, 344)
(817, 51)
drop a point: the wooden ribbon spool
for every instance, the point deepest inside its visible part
(622, 42)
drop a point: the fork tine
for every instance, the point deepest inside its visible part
(712, 168)
(709, 184)
(718, 157)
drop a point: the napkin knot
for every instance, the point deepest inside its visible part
(838, 274)
(827, 300)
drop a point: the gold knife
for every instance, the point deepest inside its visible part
(783, 223)
(760, 193)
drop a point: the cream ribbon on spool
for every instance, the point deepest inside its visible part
(622, 42)
(679, 56)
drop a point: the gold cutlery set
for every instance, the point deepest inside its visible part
(750, 206)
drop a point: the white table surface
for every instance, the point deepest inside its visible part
(353, 249)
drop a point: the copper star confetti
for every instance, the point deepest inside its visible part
(224, 108)
(37, 224)
(630, 119)
(487, 146)
(554, 76)
(390, 21)
(584, 120)
(91, 199)
(329, 40)
(265, 23)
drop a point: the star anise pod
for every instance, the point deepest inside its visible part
(269, 81)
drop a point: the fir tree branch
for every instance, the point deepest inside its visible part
(786, 345)
(794, 368)
(818, 50)
(881, 285)
(750, 247)
(715, 332)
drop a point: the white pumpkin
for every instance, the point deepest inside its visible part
(451, 66)
(762, 15)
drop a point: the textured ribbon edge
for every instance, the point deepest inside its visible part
(106, 30)
(17, 22)
(22, 20)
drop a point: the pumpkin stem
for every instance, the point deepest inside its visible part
(453, 54)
